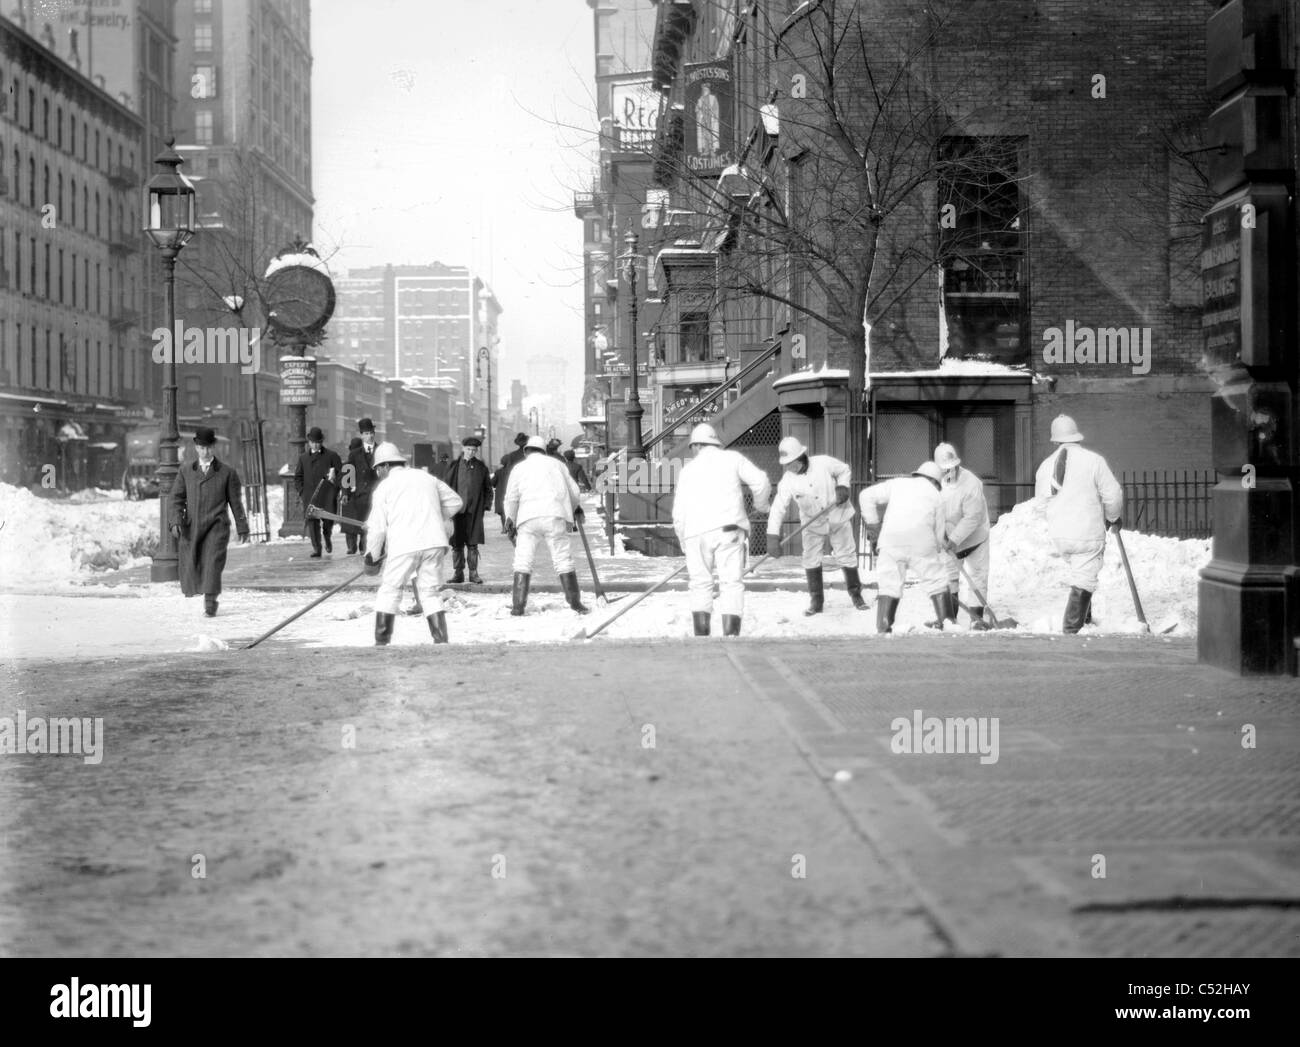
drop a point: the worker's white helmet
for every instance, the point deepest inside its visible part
(790, 448)
(1064, 431)
(705, 434)
(535, 443)
(945, 457)
(387, 452)
(930, 470)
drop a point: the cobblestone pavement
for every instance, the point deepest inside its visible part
(533, 763)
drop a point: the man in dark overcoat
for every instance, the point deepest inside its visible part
(204, 492)
(469, 478)
(317, 479)
(502, 477)
(359, 478)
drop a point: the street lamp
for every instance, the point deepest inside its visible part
(169, 222)
(635, 448)
(485, 361)
(235, 303)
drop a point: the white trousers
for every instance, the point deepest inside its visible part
(1083, 559)
(724, 552)
(424, 567)
(977, 566)
(844, 551)
(893, 566)
(551, 531)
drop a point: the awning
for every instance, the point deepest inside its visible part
(71, 431)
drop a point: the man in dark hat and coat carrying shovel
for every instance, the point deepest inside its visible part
(201, 496)
(317, 481)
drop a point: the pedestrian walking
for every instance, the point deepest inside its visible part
(1083, 500)
(443, 467)
(204, 492)
(910, 540)
(317, 478)
(553, 448)
(360, 471)
(713, 527)
(576, 471)
(814, 482)
(542, 503)
(966, 517)
(469, 478)
(411, 515)
(502, 478)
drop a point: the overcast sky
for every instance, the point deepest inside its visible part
(457, 132)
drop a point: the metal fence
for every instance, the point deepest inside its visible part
(1169, 502)
(254, 480)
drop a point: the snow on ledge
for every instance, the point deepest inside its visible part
(951, 368)
(799, 376)
(307, 261)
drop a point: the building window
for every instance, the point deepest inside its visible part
(193, 393)
(693, 336)
(203, 126)
(45, 119)
(202, 37)
(204, 81)
(203, 7)
(58, 127)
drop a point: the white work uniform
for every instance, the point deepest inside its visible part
(1077, 511)
(709, 497)
(409, 521)
(967, 521)
(812, 491)
(540, 499)
(911, 537)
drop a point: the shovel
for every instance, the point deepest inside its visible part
(595, 578)
(1132, 587)
(1005, 623)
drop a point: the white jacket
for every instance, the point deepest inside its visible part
(410, 511)
(915, 520)
(967, 510)
(710, 492)
(540, 486)
(812, 491)
(1088, 498)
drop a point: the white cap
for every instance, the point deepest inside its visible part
(535, 443)
(790, 448)
(1064, 431)
(930, 470)
(945, 456)
(705, 434)
(388, 452)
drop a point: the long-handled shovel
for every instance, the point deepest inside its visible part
(588, 632)
(1132, 587)
(299, 614)
(595, 578)
(1005, 623)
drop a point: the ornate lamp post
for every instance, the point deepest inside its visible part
(635, 446)
(485, 363)
(169, 222)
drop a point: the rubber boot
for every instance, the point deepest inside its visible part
(731, 625)
(701, 619)
(520, 593)
(886, 608)
(569, 583)
(329, 545)
(473, 565)
(438, 626)
(977, 621)
(854, 585)
(954, 605)
(1075, 610)
(458, 564)
(941, 602)
(817, 592)
(383, 628)
(1087, 606)
(210, 605)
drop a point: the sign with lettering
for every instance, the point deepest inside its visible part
(636, 108)
(298, 380)
(710, 138)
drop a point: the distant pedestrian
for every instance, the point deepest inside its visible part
(910, 540)
(502, 477)
(469, 478)
(713, 527)
(813, 483)
(204, 492)
(410, 519)
(317, 479)
(576, 471)
(443, 467)
(1083, 500)
(542, 503)
(966, 519)
(553, 447)
(360, 470)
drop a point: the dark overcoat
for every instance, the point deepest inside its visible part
(363, 479)
(200, 504)
(503, 477)
(470, 479)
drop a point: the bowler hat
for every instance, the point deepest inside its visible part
(521, 439)
(354, 443)
(204, 437)
(315, 435)
(365, 426)
(471, 441)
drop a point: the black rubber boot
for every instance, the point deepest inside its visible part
(701, 619)
(520, 594)
(954, 605)
(210, 605)
(731, 625)
(325, 533)
(383, 628)
(473, 565)
(438, 626)
(940, 601)
(816, 591)
(569, 583)
(853, 584)
(1076, 609)
(977, 621)
(458, 564)
(886, 608)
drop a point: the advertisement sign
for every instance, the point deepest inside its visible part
(635, 107)
(710, 137)
(298, 381)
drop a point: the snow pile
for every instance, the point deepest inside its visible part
(1031, 582)
(52, 541)
(951, 366)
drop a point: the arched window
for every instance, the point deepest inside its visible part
(72, 201)
(45, 124)
(18, 170)
(99, 160)
(60, 212)
(85, 208)
(31, 126)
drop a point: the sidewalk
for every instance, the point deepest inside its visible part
(657, 798)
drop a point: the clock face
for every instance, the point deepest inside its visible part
(301, 299)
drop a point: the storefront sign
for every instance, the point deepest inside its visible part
(298, 380)
(709, 135)
(636, 108)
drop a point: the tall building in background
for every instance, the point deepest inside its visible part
(546, 380)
